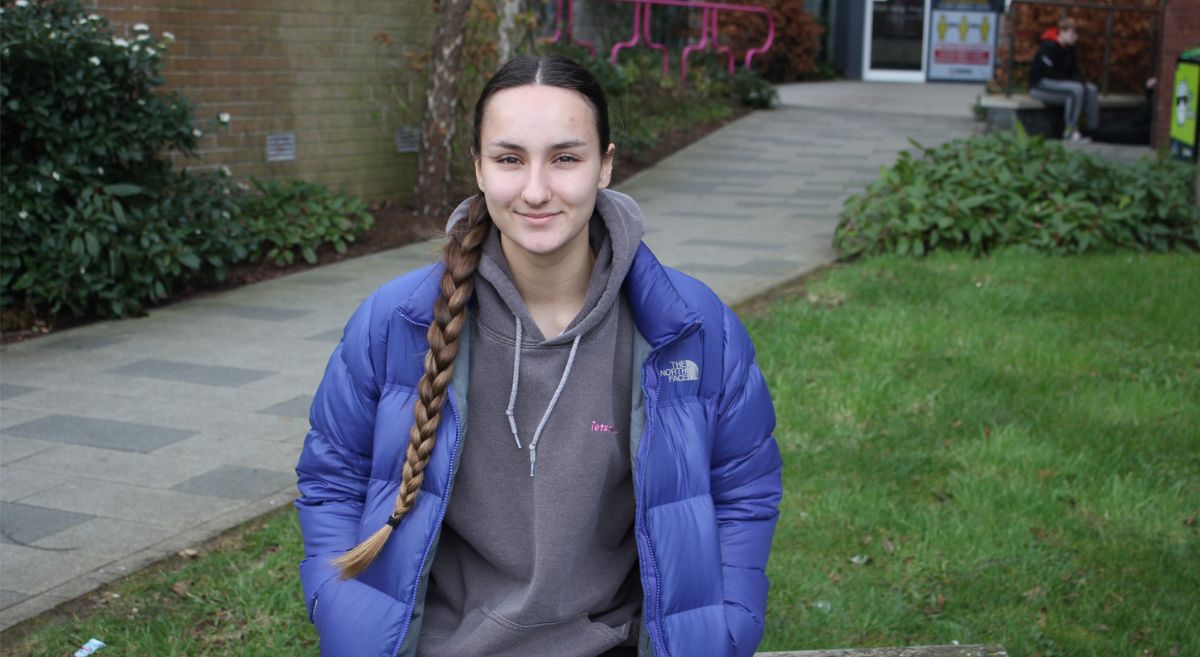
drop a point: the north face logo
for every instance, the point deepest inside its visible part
(681, 370)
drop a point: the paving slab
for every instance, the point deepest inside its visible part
(23, 524)
(19, 482)
(123, 442)
(173, 370)
(109, 434)
(237, 482)
(112, 465)
(10, 390)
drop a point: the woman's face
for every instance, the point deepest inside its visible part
(539, 167)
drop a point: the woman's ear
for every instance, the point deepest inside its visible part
(478, 173)
(606, 166)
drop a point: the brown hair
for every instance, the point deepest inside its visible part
(461, 255)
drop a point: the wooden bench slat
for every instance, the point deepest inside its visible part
(981, 650)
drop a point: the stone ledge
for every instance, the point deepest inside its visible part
(985, 650)
(1027, 102)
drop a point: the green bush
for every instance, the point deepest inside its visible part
(289, 218)
(1010, 189)
(95, 220)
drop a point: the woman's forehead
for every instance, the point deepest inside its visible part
(534, 115)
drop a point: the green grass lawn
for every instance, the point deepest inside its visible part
(985, 451)
(1004, 450)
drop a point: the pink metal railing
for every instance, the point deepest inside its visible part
(564, 27)
(641, 30)
(708, 33)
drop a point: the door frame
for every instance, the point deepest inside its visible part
(892, 75)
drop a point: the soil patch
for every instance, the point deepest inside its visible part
(395, 226)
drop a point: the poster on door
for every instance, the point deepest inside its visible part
(962, 45)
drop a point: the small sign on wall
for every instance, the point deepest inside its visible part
(408, 139)
(281, 147)
(962, 43)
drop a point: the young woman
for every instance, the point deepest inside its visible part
(548, 443)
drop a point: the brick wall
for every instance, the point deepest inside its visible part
(1181, 31)
(312, 67)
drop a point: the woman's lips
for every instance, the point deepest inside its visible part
(537, 216)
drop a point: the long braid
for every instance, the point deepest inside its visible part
(461, 256)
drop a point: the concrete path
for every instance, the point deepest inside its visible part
(124, 442)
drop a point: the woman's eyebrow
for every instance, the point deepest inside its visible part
(510, 146)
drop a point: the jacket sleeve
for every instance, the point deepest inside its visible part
(746, 482)
(1040, 65)
(351, 618)
(1071, 66)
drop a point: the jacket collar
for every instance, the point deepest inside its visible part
(660, 311)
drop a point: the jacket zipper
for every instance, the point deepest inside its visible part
(651, 407)
(441, 518)
(445, 504)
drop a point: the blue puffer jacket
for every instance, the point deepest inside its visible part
(706, 471)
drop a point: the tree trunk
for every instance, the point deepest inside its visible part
(441, 100)
(508, 22)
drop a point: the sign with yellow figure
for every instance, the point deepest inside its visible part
(962, 44)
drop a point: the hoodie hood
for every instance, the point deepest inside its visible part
(615, 231)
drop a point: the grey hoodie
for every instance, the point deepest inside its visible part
(543, 561)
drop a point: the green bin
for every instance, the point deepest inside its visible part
(1184, 93)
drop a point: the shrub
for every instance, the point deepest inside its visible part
(1009, 189)
(95, 220)
(793, 55)
(289, 218)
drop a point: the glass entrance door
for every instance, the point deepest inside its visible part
(894, 43)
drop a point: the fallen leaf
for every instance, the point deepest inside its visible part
(956, 424)
(1045, 474)
(987, 432)
(937, 605)
(1034, 593)
(1191, 520)
(834, 577)
(189, 553)
(860, 559)
(180, 589)
(1099, 627)
(888, 546)
(1043, 616)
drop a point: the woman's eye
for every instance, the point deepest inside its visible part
(508, 159)
(566, 157)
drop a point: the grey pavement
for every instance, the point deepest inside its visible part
(123, 442)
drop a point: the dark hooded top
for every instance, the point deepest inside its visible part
(1053, 60)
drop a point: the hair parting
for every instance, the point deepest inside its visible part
(461, 256)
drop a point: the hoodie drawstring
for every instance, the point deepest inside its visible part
(512, 398)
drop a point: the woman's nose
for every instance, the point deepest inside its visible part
(537, 188)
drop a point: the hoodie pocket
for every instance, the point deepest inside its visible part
(483, 631)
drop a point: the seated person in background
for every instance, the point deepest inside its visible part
(1054, 79)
